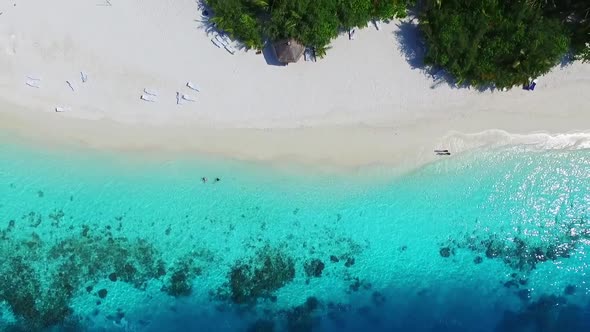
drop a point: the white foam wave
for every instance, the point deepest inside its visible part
(496, 138)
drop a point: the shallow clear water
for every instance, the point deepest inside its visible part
(489, 241)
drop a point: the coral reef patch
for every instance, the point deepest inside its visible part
(522, 252)
(258, 277)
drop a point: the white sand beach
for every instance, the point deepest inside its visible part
(364, 104)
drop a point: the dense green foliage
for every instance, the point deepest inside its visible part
(575, 14)
(240, 19)
(584, 53)
(312, 22)
(480, 42)
(499, 42)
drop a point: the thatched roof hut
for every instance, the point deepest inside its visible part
(288, 50)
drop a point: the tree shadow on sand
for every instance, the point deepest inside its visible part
(411, 44)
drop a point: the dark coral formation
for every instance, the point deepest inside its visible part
(301, 318)
(314, 268)
(445, 252)
(40, 298)
(262, 275)
(262, 325)
(349, 262)
(549, 313)
(33, 219)
(522, 252)
(102, 293)
(39, 295)
(357, 284)
(93, 258)
(22, 290)
(180, 282)
(56, 216)
(345, 248)
(569, 290)
(517, 283)
(522, 255)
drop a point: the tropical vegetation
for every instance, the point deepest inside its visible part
(575, 15)
(491, 42)
(498, 43)
(313, 23)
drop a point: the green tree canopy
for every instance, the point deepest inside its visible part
(314, 23)
(481, 42)
(498, 42)
(575, 15)
(240, 20)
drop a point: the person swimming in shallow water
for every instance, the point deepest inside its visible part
(217, 179)
(204, 179)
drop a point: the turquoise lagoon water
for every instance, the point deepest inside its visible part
(489, 241)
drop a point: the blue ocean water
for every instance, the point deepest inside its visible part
(493, 240)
